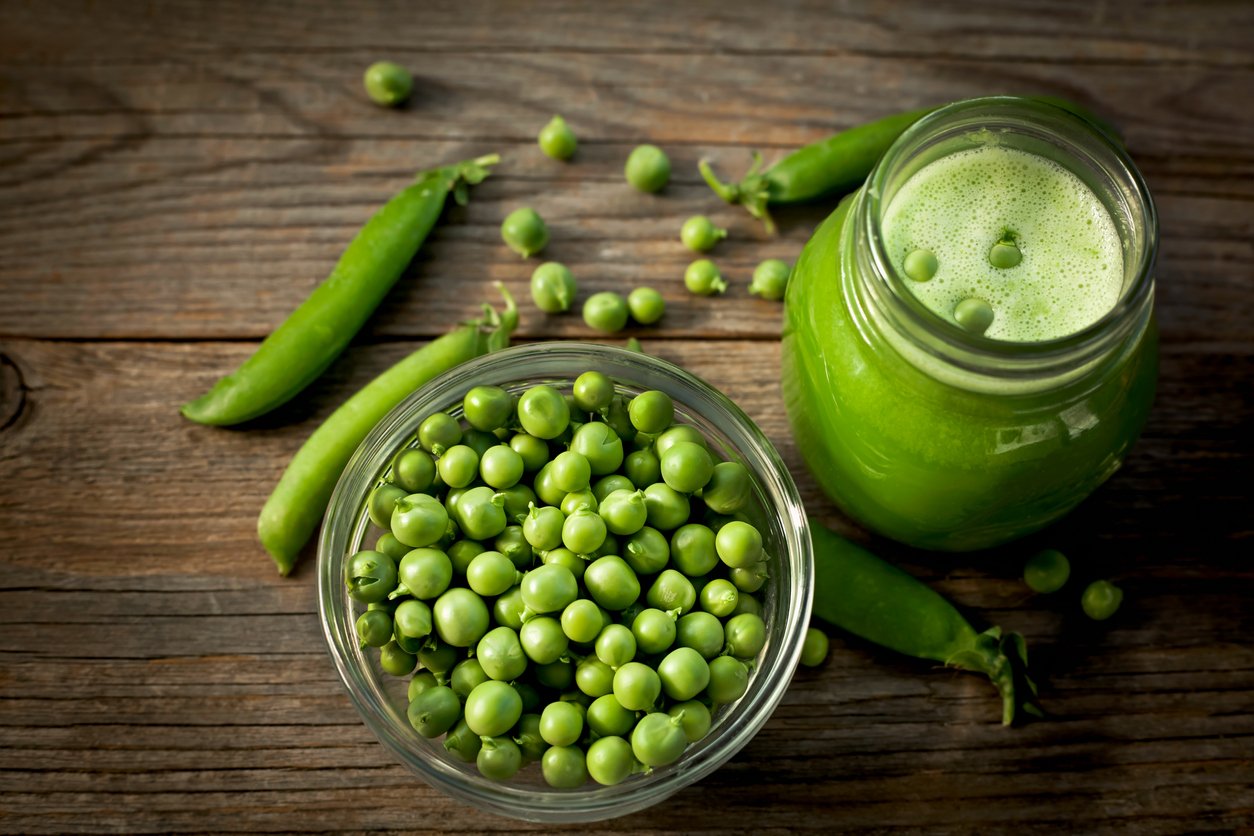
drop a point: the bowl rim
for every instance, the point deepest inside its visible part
(343, 525)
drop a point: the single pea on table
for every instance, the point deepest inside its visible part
(555, 599)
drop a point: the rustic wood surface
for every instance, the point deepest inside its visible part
(176, 176)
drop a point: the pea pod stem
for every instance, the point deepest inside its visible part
(838, 164)
(314, 334)
(300, 498)
(858, 592)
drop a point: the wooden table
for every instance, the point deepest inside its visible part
(176, 176)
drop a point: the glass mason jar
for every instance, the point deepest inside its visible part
(939, 438)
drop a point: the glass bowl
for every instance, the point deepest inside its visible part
(381, 699)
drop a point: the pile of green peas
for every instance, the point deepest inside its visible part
(569, 579)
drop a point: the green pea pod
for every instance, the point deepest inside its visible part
(837, 164)
(856, 591)
(300, 498)
(316, 332)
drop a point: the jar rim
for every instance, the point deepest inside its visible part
(947, 342)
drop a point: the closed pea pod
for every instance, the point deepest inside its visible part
(858, 592)
(299, 499)
(302, 347)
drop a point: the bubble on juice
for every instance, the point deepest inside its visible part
(958, 206)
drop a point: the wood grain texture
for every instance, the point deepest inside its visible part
(175, 176)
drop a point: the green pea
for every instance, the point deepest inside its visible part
(739, 544)
(658, 739)
(413, 619)
(389, 545)
(1101, 599)
(527, 736)
(611, 582)
(729, 679)
(702, 632)
(671, 590)
(543, 527)
(814, 648)
(606, 311)
(419, 520)
(750, 578)
(388, 84)
(582, 620)
(543, 640)
(557, 140)
(462, 742)
(684, 673)
(651, 412)
(746, 635)
(624, 511)
(703, 278)
(508, 608)
(374, 628)
(1005, 253)
(676, 434)
(437, 658)
(413, 470)
(466, 676)
(458, 466)
(425, 573)
(601, 445)
(729, 489)
(492, 708)
(562, 556)
(479, 440)
(370, 576)
(719, 597)
(438, 432)
(1047, 571)
(593, 391)
(515, 547)
(699, 234)
(553, 287)
(421, 681)
(461, 617)
(549, 493)
(694, 718)
(382, 502)
(564, 767)
(647, 551)
(770, 279)
(654, 630)
(646, 305)
(607, 717)
(461, 553)
(642, 467)
(481, 512)
(490, 574)
(524, 232)
(499, 758)
(533, 451)
(920, 265)
(636, 686)
(583, 532)
(584, 500)
(648, 168)
(571, 471)
(395, 660)
(518, 499)
(434, 711)
(973, 315)
(487, 407)
(616, 418)
(543, 412)
(610, 760)
(616, 645)
(607, 485)
(686, 467)
(666, 508)
(561, 724)
(549, 588)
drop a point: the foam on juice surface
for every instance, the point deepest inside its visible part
(959, 206)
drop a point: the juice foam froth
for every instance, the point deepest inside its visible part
(959, 206)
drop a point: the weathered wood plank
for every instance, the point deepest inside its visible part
(1128, 33)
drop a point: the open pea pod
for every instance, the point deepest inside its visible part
(856, 591)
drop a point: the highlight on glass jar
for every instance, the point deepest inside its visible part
(564, 581)
(970, 347)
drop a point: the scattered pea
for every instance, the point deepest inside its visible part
(770, 279)
(557, 140)
(648, 168)
(605, 311)
(1101, 599)
(700, 235)
(1047, 571)
(387, 83)
(524, 232)
(553, 287)
(702, 278)
(646, 305)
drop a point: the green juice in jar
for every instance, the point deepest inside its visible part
(950, 431)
